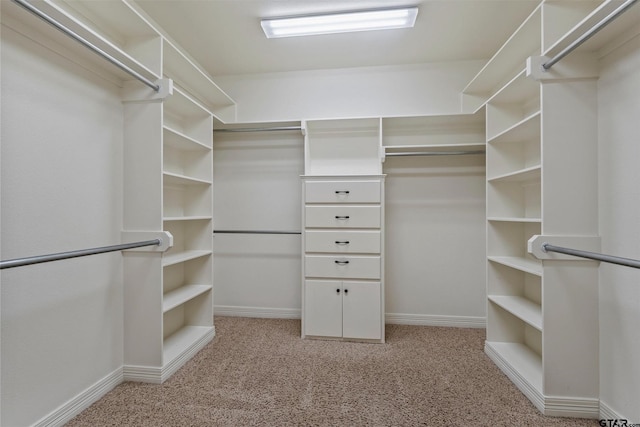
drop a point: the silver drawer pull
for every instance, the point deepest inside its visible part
(342, 216)
(342, 242)
(341, 262)
(342, 191)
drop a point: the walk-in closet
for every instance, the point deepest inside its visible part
(468, 173)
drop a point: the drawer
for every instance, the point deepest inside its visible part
(365, 242)
(348, 267)
(342, 191)
(342, 216)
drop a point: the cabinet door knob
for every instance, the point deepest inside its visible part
(342, 216)
(342, 242)
(341, 262)
(337, 291)
(342, 191)
(346, 291)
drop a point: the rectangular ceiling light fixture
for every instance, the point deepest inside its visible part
(340, 22)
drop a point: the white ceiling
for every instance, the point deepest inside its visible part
(225, 36)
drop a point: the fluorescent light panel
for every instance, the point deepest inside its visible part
(340, 22)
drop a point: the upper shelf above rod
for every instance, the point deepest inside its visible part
(53, 22)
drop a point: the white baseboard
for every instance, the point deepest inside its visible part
(556, 406)
(391, 318)
(142, 374)
(532, 392)
(158, 375)
(553, 406)
(173, 365)
(257, 312)
(608, 413)
(435, 320)
(82, 401)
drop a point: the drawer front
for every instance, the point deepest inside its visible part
(364, 242)
(342, 191)
(342, 216)
(348, 267)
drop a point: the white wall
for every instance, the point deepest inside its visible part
(619, 151)
(260, 275)
(435, 240)
(61, 141)
(435, 232)
(257, 187)
(353, 92)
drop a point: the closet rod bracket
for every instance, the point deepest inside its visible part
(166, 240)
(536, 246)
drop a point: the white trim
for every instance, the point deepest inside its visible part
(553, 406)
(142, 374)
(558, 406)
(390, 318)
(158, 375)
(257, 312)
(82, 401)
(529, 390)
(435, 320)
(608, 413)
(172, 366)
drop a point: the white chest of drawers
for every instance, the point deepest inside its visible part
(343, 268)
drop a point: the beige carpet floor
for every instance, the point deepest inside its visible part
(258, 372)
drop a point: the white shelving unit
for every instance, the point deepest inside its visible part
(116, 26)
(168, 180)
(343, 257)
(342, 158)
(113, 27)
(507, 62)
(343, 238)
(343, 147)
(178, 67)
(541, 157)
(168, 297)
(543, 32)
(122, 29)
(433, 134)
(187, 282)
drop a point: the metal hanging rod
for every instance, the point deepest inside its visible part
(19, 262)
(587, 35)
(272, 129)
(435, 153)
(87, 44)
(627, 262)
(254, 232)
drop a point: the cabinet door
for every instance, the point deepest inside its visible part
(323, 308)
(361, 310)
